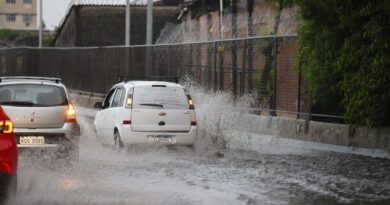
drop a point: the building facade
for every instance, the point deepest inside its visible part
(18, 14)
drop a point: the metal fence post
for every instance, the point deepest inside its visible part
(168, 60)
(215, 67)
(91, 68)
(242, 84)
(275, 74)
(148, 60)
(127, 61)
(299, 94)
(234, 69)
(221, 49)
(190, 66)
(132, 72)
(250, 67)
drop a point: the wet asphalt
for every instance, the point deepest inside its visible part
(204, 175)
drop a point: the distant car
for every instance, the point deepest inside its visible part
(146, 112)
(8, 157)
(42, 114)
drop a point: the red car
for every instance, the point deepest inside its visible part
(8, 157)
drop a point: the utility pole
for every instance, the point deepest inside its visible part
(234, 29)
(127, 23)
(40, 24)
(249, 57)
(221, 18)
(127, 40)
(149, 28)
(149, 39)
(221, 48)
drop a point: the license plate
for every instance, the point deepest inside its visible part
(32, 140)
(161, 139)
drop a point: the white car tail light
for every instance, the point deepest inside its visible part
(129, 101)
(129, 104)
(190, 102)
(192, 110)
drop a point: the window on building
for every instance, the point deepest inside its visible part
(11, 17)
(10, 1)
(27, 1)
(27, 18)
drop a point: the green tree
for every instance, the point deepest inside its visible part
(344, 54)
(48, 40)
(10, 34)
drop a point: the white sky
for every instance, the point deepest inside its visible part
(54, 11)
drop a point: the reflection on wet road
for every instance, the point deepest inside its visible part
(160, 175)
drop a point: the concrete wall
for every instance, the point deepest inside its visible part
(66, 36)
(90, 25)
(83, 99)
(245, 130)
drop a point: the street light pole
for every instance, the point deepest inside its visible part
(127, 23)
(221, 18)
(149, 28)
(40, 23)
(149, 39)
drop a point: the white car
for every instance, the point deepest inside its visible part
(146, 112)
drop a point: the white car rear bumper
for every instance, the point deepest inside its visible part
(177, 138)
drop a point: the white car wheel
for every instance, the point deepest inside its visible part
(118, 145)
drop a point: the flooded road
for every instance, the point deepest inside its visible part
(208, 175)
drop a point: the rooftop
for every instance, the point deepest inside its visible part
(109, 2)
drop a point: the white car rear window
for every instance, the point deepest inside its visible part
(166, 97)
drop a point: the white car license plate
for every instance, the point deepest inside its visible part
(161, 139)
(31, 140)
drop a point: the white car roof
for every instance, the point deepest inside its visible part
(148, 83)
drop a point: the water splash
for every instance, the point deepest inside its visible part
(211, 109)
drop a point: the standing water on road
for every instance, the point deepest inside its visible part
(210, 174)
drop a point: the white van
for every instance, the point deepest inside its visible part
(143, 112)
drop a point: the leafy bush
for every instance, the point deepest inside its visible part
(11, 34)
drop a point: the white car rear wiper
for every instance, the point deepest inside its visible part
(151, 104)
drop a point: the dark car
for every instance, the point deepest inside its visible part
(8, 157)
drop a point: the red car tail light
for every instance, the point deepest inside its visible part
(71, 113)
(6, 127)
(127, 122)
(8, 150)
(6, 167)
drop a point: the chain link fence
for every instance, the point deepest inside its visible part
(264, 67)
(266, 19)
